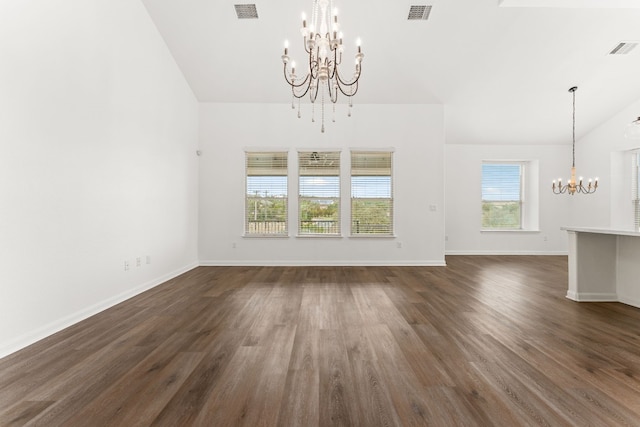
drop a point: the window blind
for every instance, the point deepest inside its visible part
(319, 193)
(371, 193)
(266, 197)
(502, 195)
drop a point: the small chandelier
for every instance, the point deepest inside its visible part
(574, 186)
(633, 129)
(322, 42)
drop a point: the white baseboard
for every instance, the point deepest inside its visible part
(60, 324)
(602, 297)
(634, 302)
(500, 253)
(309, 263)
(592, 297)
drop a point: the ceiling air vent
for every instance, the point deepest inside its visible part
(246, 11)
(623, 48)
(419, 13)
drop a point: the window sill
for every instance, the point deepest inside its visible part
(265, 236)
(319, 236)
(372, 236)
(489, 230)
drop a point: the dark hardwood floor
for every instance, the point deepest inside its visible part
(485, 341)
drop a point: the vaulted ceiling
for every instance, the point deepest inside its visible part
(502, 68)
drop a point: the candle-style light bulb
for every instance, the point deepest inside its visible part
(286, 47)
(304, 20)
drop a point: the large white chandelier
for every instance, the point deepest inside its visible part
(322, 41)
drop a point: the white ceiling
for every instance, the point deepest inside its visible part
(501, 67)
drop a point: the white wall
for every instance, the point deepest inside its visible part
(604, 153)
(463, 175)
(628, 270)
(98, 132)
(414, 131)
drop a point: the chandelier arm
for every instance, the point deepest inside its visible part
(350, 86)
(560, 190)
(331, 65)
(333, 93)
(314, 65)
(304, 43)
(589, 189)
(303, 93)
(345, 83)
(305, 81)
(291, 82)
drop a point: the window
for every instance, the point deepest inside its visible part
(635, 190)
(319, 193)
(371, 193)
(502, 198)
(266, 194)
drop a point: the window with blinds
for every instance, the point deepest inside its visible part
(502, 196)
(371, 193)
(635, 189)
(319, 193)
(266, 194)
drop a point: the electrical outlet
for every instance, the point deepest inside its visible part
(148, 259)
(138, 262)
(399, 245)
(126, 265)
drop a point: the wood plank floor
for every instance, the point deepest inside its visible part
(486, 341)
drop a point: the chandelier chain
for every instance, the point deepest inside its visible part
(322, 108)
(573, 153)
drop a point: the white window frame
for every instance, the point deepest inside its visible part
(530, 196)
(521, 200)
(318, 164)
(360, 168)
(266, 163)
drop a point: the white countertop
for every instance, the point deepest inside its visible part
(602, 231)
